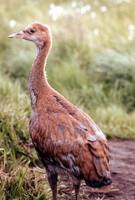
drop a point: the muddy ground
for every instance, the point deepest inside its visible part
(122, 165)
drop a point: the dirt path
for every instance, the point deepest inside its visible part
(122, 165)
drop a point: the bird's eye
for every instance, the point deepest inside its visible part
(32, 31)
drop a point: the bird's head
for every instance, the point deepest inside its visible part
(35, 32)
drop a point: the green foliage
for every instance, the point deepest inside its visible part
(17, 178)
(92, 63)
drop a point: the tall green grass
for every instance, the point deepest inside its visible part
(19, 178)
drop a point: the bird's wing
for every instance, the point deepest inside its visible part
(94, 139)
(74, 145)
(85, 131)
(73, 139)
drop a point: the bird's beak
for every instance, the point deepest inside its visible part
(18, 35)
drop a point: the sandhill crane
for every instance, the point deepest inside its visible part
(66, 139)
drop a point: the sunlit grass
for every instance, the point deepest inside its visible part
(18, 176)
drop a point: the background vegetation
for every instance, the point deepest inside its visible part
(92, 63)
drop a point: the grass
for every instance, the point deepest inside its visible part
(92, 64)
(18, 174)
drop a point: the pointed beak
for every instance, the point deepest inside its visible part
(18, 35)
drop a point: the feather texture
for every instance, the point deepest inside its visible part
(66, 139)
(69, 139)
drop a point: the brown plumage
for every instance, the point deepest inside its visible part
(66, 139)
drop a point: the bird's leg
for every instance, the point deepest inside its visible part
(77, 188)
(52, 179)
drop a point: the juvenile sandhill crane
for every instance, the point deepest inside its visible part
(65, 138)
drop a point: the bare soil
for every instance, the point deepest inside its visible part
(122, 164)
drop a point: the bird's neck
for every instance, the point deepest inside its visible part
(38, 84)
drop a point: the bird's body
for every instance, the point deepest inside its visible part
(66, 139)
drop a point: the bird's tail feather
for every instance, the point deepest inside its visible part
(100, 160)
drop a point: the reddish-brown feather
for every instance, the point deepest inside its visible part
(66, 139)
(60, 128)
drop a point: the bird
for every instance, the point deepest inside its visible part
(66, 139)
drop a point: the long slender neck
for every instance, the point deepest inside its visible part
(38, 83)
